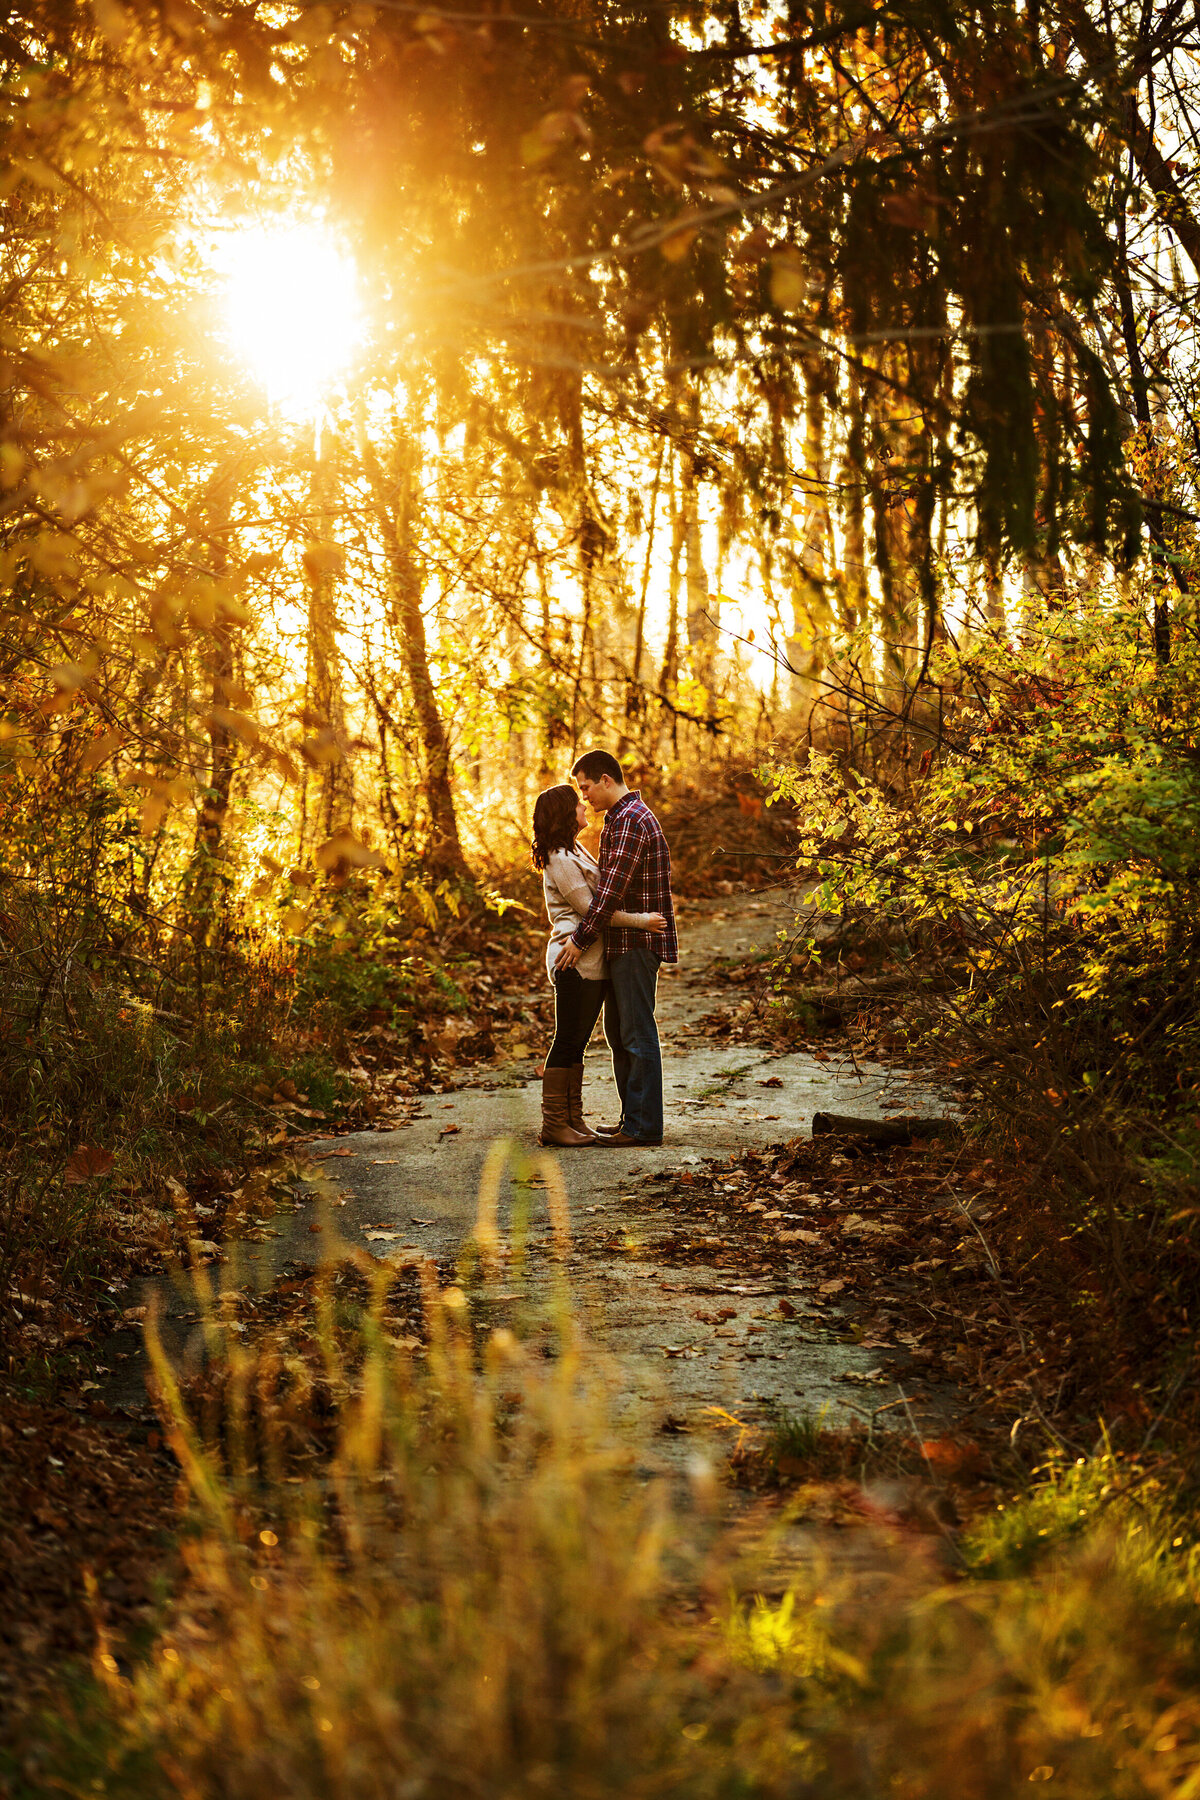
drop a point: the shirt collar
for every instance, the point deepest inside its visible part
(633, 794)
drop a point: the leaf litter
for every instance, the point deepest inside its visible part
(894, 1253)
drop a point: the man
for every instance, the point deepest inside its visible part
(635, 876)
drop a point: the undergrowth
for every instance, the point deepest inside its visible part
(481, 1595)
(1035, 887)
(136, 1057)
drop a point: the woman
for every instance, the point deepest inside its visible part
(568, 875)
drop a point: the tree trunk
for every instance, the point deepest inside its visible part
(670, 669)
(395, 509)
(701, 630)
(854, 596)
(1165, 569)
(817, 542)
(635, 705)
(210, 822)
(206, 881)
(326, 704)
(701, 626)
(385, 725)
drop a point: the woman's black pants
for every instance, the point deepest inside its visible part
(577, 1006)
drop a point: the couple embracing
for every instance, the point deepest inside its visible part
(602, 952)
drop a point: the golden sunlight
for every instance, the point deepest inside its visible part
(293, 310)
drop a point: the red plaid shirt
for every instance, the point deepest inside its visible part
(635, 876)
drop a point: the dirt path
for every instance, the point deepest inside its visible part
(414, 1191)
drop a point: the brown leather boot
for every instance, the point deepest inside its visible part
(556, 1118)
(575, 1103)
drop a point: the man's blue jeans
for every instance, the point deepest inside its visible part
(633, 1039)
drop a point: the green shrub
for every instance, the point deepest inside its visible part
(1047, 866)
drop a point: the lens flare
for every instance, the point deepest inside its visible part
(293, 310)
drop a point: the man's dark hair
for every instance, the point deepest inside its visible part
(596, 764)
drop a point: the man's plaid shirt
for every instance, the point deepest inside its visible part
(635, 876)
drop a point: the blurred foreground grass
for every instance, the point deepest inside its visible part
(481, 1595)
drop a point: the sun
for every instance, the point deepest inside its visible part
(293, 310)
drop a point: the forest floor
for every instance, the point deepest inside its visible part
(763, 1297)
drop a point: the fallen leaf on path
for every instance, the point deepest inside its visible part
(384, 1162)
(832, 1287)
(381, 1237)
(449, 1130)
(771, 1081)
(324, 1155)
(738, 1288)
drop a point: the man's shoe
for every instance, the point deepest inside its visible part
(606, 1131)
(619, 1141)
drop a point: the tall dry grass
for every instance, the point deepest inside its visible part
(483, 1594)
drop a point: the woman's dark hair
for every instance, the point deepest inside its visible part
(555, 827)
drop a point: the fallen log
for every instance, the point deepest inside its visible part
(883, 1131)
(837, 1005)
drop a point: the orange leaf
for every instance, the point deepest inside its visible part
(754, 246)
(912, 210)
(100, 749)
(322, 747)
(88, 1164)
(322, 559)
(676, 247)
(342, 851)
(237, 724)
(789, 282)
